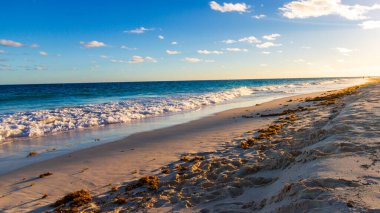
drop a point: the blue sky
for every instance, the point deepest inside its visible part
(47, 41)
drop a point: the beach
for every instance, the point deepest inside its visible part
(311, 152)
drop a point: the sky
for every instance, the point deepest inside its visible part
(57, 41)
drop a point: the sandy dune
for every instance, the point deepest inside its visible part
(316, 156)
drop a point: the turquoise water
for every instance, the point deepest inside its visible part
(14, 98)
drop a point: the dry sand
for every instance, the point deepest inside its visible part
(322, 158)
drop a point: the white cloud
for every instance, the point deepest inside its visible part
(10, 43)
(139, 30)
(263, 65)
(92, 44)
(340, 60)
(306, 47)
(174, 43)
(192, 60)
(161, 37)
(261, 16)
(234, 49)
(150, 59)
(104, 56)
(369, 25)
(343, 50)
(207, 52)
(266, 52)
(267, 45)
(250, 40)
(172, 52)
(229, 41)
(271, 37)
(316, 8)
(138, 59)
(43, 53)
(128, 48)
(135, 60)
(229, 7)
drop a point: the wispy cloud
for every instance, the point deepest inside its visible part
(265, 52)
(192, 60)
(34, 46)
(261, 16)
(172, 52)
(197, 60)
(235, 49)
(10, 43)
(2, 52)
(5, 67)
(208, 52)
(229, 7)
(138, 59)
(92, 44)
(343, 51)
(271, 37)
(229, 41)
(43, 53)
(139, 30)
(249, 40)
(135, 60)
(316, 8)
(128, 48)
(370, 25)
(267, 45)
(299, 60)
(174, 43)
(161, 37)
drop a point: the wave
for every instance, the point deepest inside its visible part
(42, 122)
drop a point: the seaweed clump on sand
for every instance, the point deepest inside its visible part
(187, 158)
(289, 111)
(151, 181)
(45, 174)
(332, 98)
(71, 202)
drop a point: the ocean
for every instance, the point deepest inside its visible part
(56, 119)
(40, 110)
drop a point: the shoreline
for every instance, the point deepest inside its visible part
(54, 145)
(44, 122)
(127, 159)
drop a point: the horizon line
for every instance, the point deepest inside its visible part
(151, 81)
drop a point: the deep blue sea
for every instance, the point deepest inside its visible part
(15, 98)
